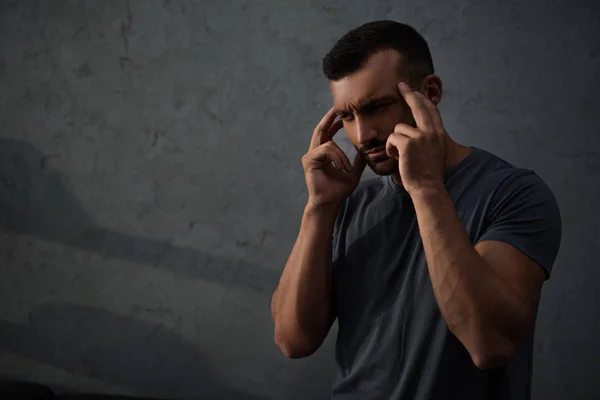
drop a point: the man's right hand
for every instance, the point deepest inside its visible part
(330, 178)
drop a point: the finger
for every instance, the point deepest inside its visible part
(321, 156)
(407, 130)
(322, 129)
(343, 158)
(395, 144)
(434, 112)
(418, 108)
(332, 152)
(335, 127)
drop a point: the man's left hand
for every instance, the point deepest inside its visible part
(420, 151)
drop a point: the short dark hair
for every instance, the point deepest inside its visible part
(353, 50)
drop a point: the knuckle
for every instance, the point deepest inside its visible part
(310, 154)
(329, 145)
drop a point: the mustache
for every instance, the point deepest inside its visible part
(371, 145)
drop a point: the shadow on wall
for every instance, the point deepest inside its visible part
(34, 201)
(123, 351)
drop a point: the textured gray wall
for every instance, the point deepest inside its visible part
(151, 187)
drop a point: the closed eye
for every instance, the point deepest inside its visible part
(367, 109)
(371, 109)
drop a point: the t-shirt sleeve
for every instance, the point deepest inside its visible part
(525, 214)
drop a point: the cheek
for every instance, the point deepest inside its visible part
(390, 118)
(385, 137)
(394, 116)
(407, 118)
(351, 134)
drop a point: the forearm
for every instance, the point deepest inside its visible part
(301, 305)
(479, 308)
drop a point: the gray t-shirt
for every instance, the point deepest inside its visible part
(393, 342)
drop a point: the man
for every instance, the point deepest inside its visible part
(434, 269)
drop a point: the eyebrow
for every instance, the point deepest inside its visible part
(370, 101)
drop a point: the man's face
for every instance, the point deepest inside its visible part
(370, 106)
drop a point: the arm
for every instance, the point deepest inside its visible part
(488, 293)
(301, 306)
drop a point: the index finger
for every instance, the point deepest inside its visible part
(434, 112)
(320, 134)
(418, 108)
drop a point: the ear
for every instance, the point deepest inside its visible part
(432, 88)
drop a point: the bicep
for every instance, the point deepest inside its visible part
(521, 241)
(523, 276)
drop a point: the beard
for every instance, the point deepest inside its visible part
(382, 165)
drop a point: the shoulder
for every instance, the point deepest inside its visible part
(523, 212)
(506, 182)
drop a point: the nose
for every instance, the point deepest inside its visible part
(365, 131)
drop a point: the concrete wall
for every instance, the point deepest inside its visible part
(151, 187)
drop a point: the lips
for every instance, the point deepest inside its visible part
(377, 153)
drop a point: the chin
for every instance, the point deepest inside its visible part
(384, 167)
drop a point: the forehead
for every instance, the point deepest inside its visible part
(378, 77)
